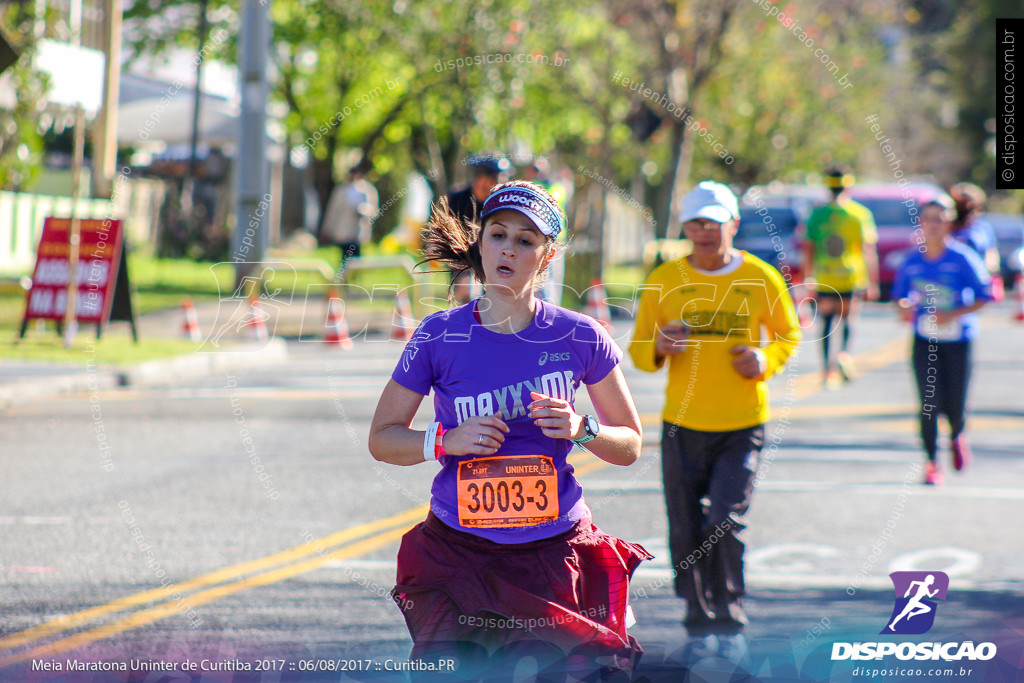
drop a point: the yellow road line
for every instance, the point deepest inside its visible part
(147, 616)
(889, 352)
(908, 423)
(588, 463)
(589, 466)
(807, 385)
(886, 354)
(810, 384)
(879, 358)
(860, 410)
(71, 620)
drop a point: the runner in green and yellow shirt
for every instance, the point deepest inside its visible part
(840, 256)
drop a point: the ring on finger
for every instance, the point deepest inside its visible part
(480, 440)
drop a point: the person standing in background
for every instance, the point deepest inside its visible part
(487, 173)
(349, 216)
(840, 256)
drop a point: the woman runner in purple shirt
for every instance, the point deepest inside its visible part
(508, 562)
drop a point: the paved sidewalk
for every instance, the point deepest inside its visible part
(227, 346)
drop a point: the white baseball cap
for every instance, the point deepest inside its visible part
(710, 200)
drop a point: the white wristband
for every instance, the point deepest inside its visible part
(429, 441)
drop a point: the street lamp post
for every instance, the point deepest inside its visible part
(251, 158)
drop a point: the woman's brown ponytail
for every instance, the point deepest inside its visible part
(447, 241)
(456, 246)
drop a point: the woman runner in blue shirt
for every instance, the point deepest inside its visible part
(938, 288)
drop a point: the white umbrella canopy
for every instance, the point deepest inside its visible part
(170, 122)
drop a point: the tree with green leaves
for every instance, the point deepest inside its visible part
(956, 58)
(21, 145)
(791, 95)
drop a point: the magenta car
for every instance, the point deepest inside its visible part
(896, 210)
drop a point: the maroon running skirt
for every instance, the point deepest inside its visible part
(569, 591)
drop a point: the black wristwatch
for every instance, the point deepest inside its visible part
(591, 426)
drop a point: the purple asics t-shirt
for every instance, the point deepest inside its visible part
(474, 371)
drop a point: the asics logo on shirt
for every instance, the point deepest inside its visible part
(553, 357)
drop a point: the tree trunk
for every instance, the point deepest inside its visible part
(323, 183)
(436, 158)
(587, 246)
(663, 194)
(684, 162)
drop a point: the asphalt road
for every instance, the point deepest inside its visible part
(253, 497)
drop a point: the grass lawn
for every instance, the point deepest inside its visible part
(12, 306)
(164, 283)
(113, 349)
(621, 281)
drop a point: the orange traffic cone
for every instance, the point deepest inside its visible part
(1019, 315)
(337, 328)
(190, 327)
(255, 321)
(403, 324)
(597, 304)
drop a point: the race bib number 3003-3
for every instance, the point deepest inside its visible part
(507, 491)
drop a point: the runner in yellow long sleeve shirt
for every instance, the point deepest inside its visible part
(725, 323)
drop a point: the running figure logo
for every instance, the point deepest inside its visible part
(914, 613)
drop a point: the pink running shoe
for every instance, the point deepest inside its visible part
(961, 453)
(933, 475)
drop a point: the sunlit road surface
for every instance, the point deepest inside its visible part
(241, 519)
